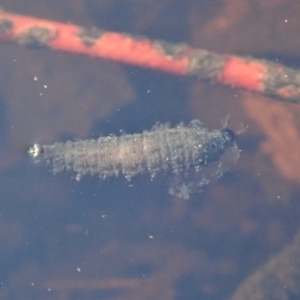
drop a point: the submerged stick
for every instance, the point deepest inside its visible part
(260, 76)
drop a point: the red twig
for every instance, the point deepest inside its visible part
(259, 76)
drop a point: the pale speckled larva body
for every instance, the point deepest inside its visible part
(183, 153)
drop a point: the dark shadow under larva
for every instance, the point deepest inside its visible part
(190, 155)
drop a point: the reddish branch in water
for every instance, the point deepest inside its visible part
(259, 76)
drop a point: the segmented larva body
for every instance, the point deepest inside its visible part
(179, 152)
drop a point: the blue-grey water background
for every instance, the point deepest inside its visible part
(94, 239)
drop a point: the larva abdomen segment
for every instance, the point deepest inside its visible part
(163, 149)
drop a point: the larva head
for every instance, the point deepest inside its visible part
(35, 150)
(217, 144)
(228, 135)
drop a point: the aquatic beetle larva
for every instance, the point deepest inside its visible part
(190, 155)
